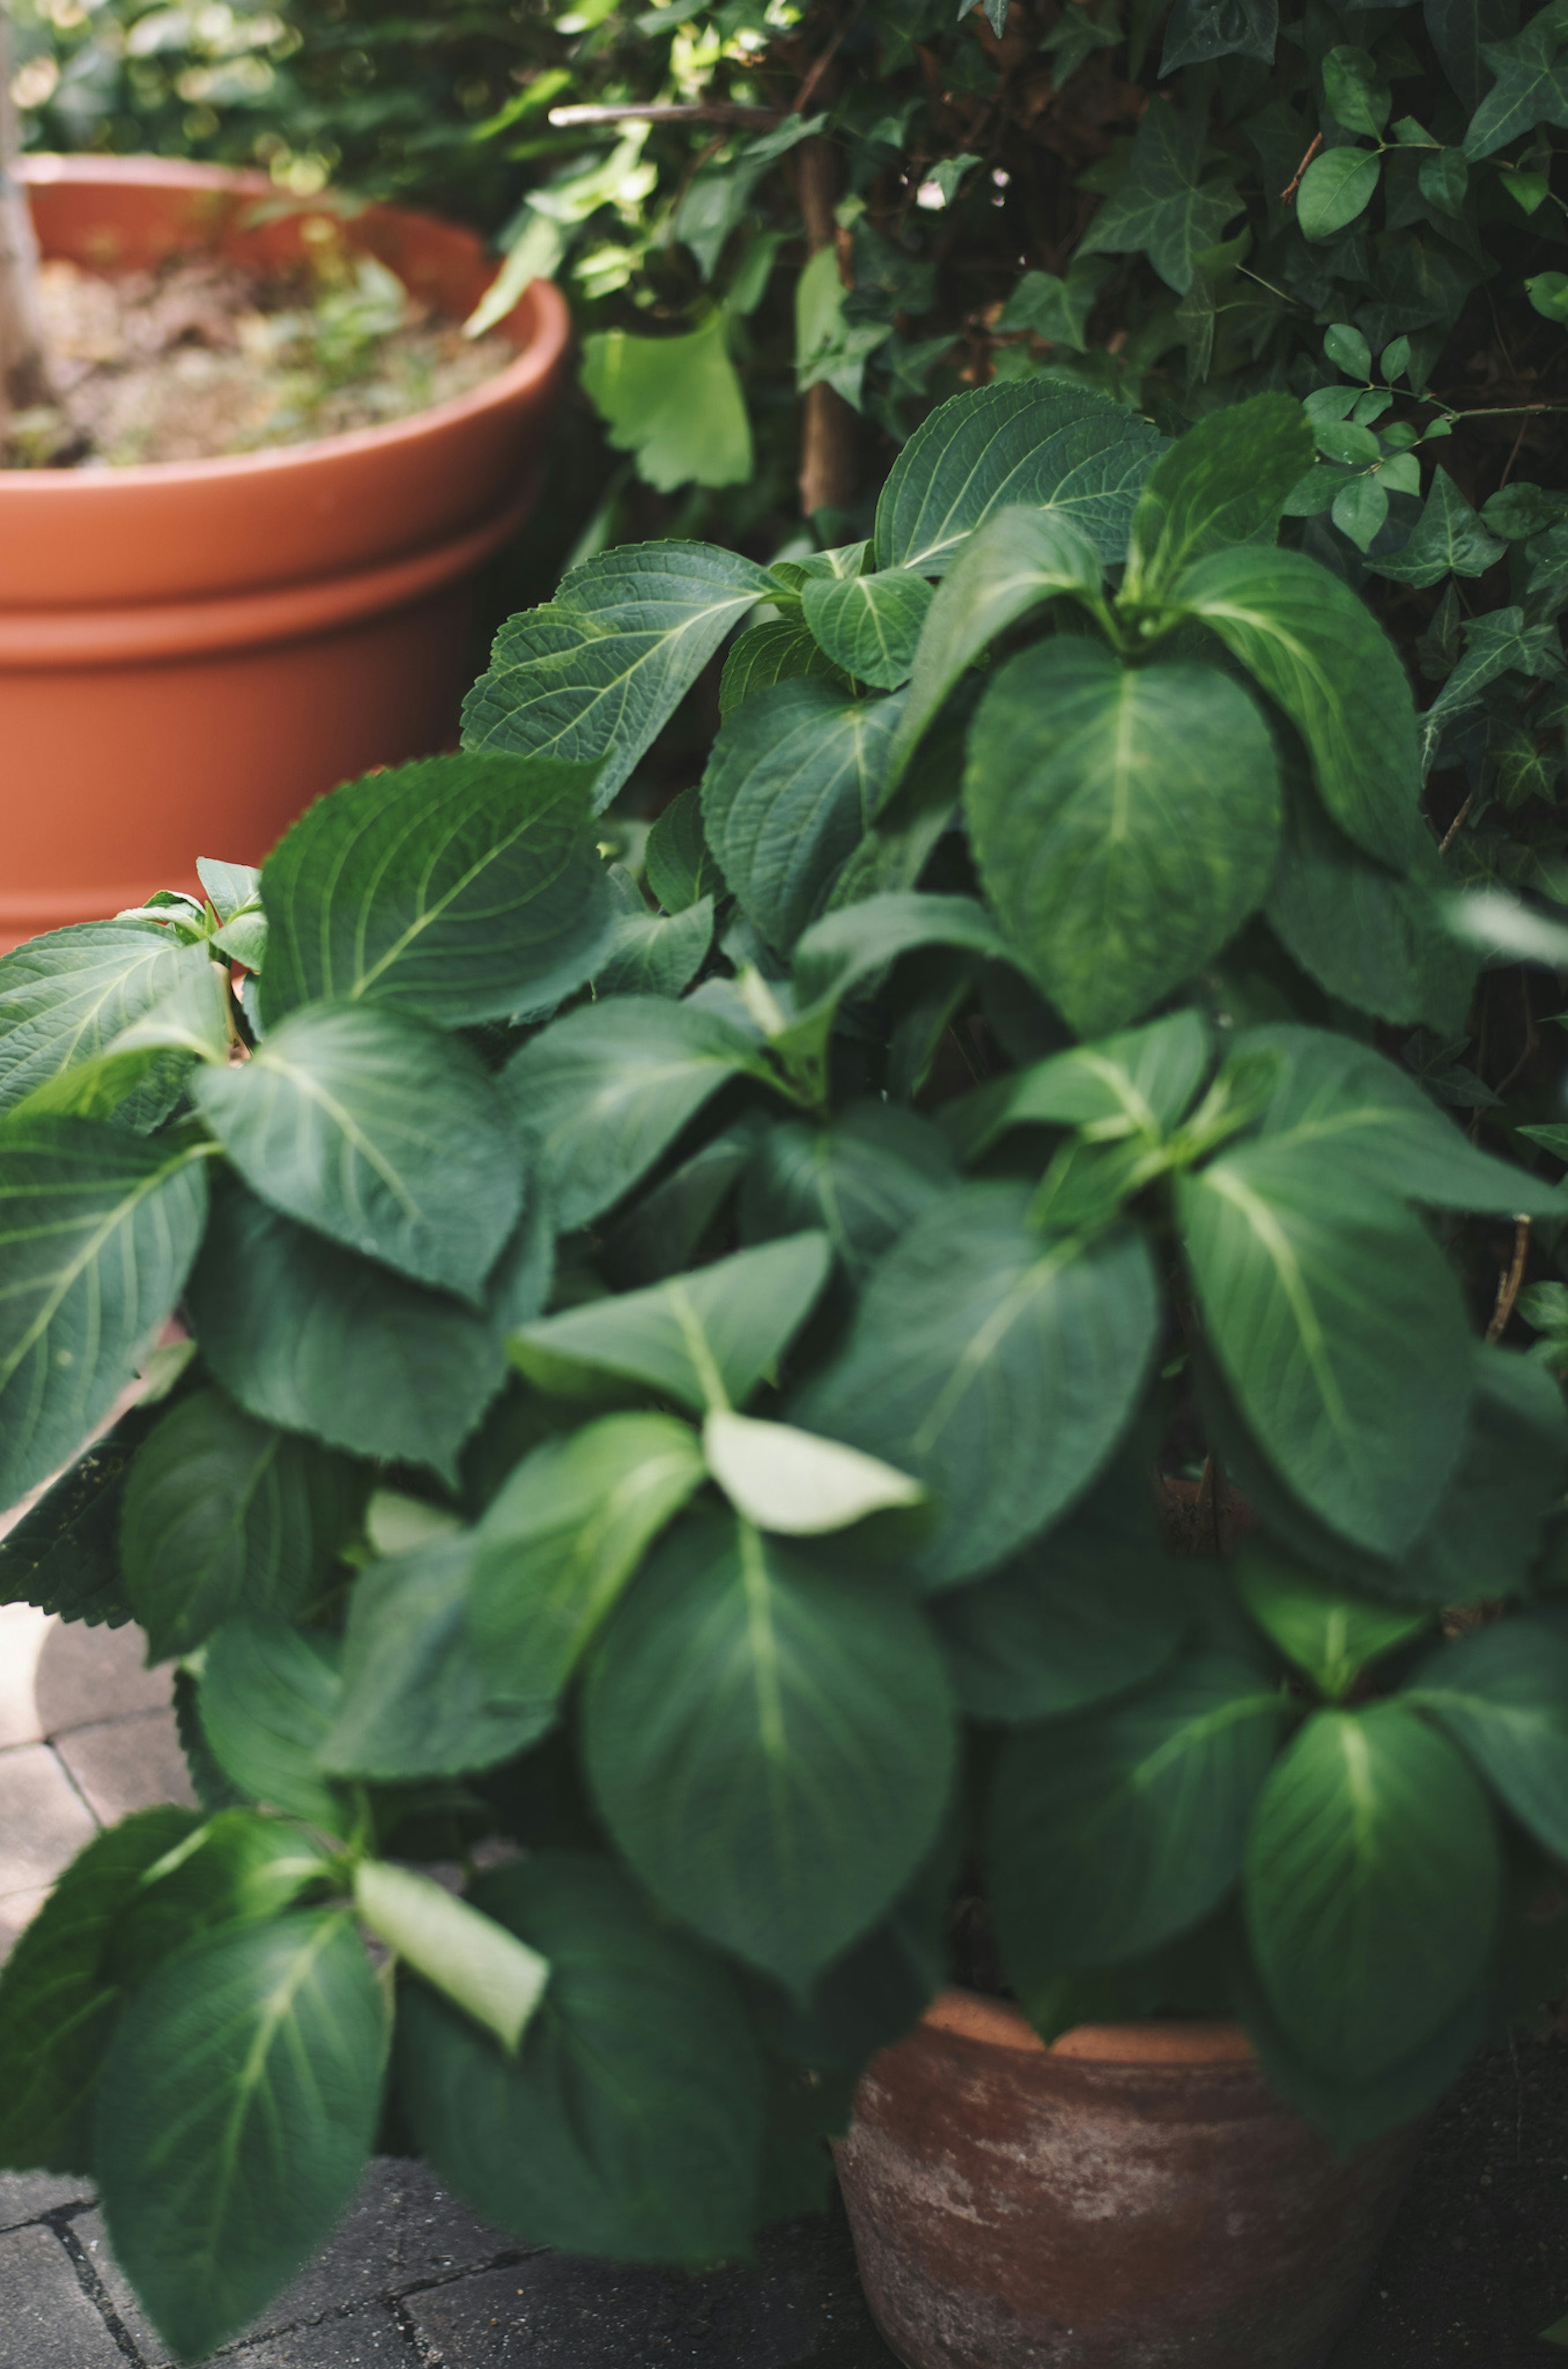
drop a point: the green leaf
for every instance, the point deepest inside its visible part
(469, 1957)
(98, 1231)
(848, 948)
(602, 1092)
(59, 2000)
(793, 781)
(1331, 1635)
(345, 1117)
(1114, 1832)
(779, 651)
(269, 1694)
(1165, 209)
(742, 1693)
(1502, 1693)
(679, 862)
(831, 349)
(563, 1538)
(629, 2127)
(138, 1077)
(237, 1868)
(224, 1515)
(1335, 188)
(63, 1554)
(1348, 351)
(237, 2114)
(869, 625)
(597, 674)
(1125, 822)
(307, 1336)
(1360, 511)
(1311, 645)
(864, 1180)
(1008, 566)
(997, 1365)
(1138, 1084)
(233, 887)
(652, 956)
(457, 889)
(1041, 445)
(1224, 483)
(1459, 30)
(705, 1339)
(1056, 309)
(1447, 539)
(796, 1483)
(1532, 87)
(1358, 97)
(65, 997)
(1372, 1888)
(675, 402)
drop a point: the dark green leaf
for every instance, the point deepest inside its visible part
(652, 956)
(1140, 1084)
(1502, 1692)
(1358, 97)
(780, 650)
(869, 625)
(680, 868)
(1460, 29)
(1056, 309)
(1335, 188)
(1165, 209)
(1532, 87)
(269, 1694)
(864, 1180)
(1224, 483)
(1447, 539)
(1201, 29)
(1330, 1635)
(64, 1552)
(848, 948)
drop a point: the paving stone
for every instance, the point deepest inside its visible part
(127, 1764)
(22, 1633)
(46, 2321)
(18, 1908)
(43, 1820)
(24, 2195)
(365, 2339)
(84, 1675)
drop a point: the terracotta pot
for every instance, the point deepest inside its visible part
(1134, 2197)
(191, 652)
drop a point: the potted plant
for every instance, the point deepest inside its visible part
(683, 1378)
(242, 631)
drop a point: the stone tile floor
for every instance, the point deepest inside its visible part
(1476, 2265)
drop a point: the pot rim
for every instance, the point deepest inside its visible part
(540, 320)
(1160, 2040)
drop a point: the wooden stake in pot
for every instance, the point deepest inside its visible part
(23, 374)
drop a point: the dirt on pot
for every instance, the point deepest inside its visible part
(203, 359)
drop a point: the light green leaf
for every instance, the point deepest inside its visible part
(269, 1694)
(652, 956)
(345, 1117)
(1224, 483)
(224, 1515)
(869, 625)
(602, 1092)
(631, 2124)
(1330, 1635)
(1125, 822)
(779, 651)
(706, 1338)
(237, 2114)
(830, 348)
(1335, 188)
(1165, 209)
(65, 997)
(474, 1961)
(675, 402)
(98, 1231)
(1140, 1083)
(457, 889)
(1372, 1888)
(231, 886)
(742, 1694)
(597, 674)
(1041, 445)
(305, 1335)
(562, 1540)
(679, 862)
(1312, 646)
(864, 1180)
(995, 1364)
(795, 1483)
(1502, 1693)
(138, 1076)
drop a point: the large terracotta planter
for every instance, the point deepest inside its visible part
(191, 652)
(1134, 2197)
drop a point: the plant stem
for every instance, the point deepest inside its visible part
(23, 374)
(706, 111)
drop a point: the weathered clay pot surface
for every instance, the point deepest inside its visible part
(1134, 2197)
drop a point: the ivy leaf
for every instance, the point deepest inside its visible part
(1497, 644)
(1335, 188)
(1224, 483)
(457, 889)
(98, 1231)
(1125, 822)
(344, 1118)
(1201, 29)
(869, 625)
(1502, 1694)
(995, 1364)
(1358, 97)
(1165, 209)
(675, 402)
(595, 675)
(1459, 31)
(237, 2114)
(741, 1693)
(1447, 539)
(1532, 87)
(1041, 445)
(779, 651)
(678, 861)
(1054, 308)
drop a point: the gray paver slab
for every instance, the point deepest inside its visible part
(48, 2322)
(22, 1633)
(43, 1820)
(84, 1675)
(18, 1908)
(128, 1763)
(365, 2339)
(24, 2195)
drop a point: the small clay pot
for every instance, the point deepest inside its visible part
(191, 651)
(1134, 2197)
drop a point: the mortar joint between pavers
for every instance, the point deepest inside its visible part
(505, 2262)
(429, 2356)
(88, 2279)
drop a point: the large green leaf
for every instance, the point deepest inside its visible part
(1113, 1833)
(62, 1554)
(1316, 649)
(1327, 1631)
(1040, 444)
(98, 1231)
(1502, 1692)
(864, 1180)
(59, 1997)
(269, 1694)
(675, 402)
(680, 865)
(138, 1077)
(66, 996)
(1342, 1332)
(655, 954)
(602, 1092)
(869, 625)
(1138, 1083)
(374, 1128)
(1126, 821)
(778, 650)
(308, 1336)
(770, 1737)
(1165, 208)
(1335, 188)
(631, 2124)
(236, 2115)
(706, 1338)
(458, 888)
(850, 948)
(1224, 483)
(1372, 1888)
(997, 1365)
(226, 1515)
(561, 1540)
(1531, 85)
(791, 788)
(597, 674)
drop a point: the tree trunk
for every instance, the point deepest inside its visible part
(24, 375)
(827, 443)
